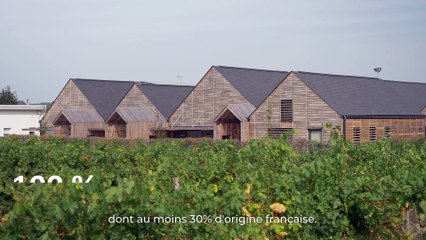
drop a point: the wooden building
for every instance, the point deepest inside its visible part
(233, 122)
(144, 110)
(243, 104)
(79, 123)
(364, 109)
(83, 105)
(223, 90)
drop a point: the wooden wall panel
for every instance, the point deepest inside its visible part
(69, 98)
(135, 98)
(81, 130)
(204, 103)
(63, 130)
(309, 111)
(138, 130)
(403, 128)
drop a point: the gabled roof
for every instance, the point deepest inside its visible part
(364, 96)
(166, 98)
(135, 114)
(78, 116)
(253, 84)
(104, 95)
(241, 111)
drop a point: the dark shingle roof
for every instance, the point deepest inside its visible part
(254, 84)
(104, 95)
(166, 98)
(364, 96)
(413, 93)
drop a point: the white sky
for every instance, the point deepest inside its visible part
(43, 43)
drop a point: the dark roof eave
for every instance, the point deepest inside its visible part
(381, 116)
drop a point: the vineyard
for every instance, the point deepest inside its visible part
(352, 191)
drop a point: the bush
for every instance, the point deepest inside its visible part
(352, 190)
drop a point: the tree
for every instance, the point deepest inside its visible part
(7, 96)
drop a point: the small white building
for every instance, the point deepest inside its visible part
(20, 119)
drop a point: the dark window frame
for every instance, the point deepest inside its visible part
(356, 131)
(99, 133)
(287, 110)
(313, 130)
(372, 134)
(387, 132)
(8, 132)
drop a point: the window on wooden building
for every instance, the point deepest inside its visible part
(387, 132)
(372, 135)
(287, 110)
(315, 135)
(96, 133)
(356, 134)
(277, 132)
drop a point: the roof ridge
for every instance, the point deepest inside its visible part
(396, 81)
(255, 69)
(338, 75)
(103, 80)
(164, 84)
(354, 76)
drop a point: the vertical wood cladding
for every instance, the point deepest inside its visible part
(135, 98)
(117, 130)
(402, 128)
(309, 111)
(77, 130)
(136, 130)
(69, 98)
(63, 130)
(133, 130)
(204, 103)
(81, 130)
(140, 130)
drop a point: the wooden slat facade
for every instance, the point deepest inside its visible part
(136, 129)
(309, 111)
(135, 98)
(70, 98)
(213, 94)
(400, 128)
(424, 113)
(209, 97)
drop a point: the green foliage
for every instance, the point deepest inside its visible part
(7, 96)
(352, 190)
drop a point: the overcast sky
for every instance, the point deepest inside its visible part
(43, 43)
